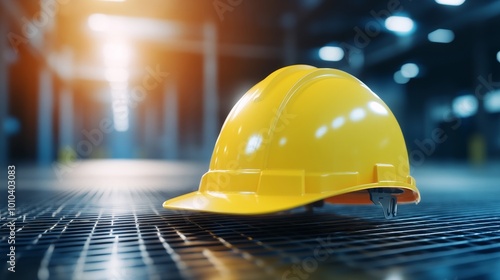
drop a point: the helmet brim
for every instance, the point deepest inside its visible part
(248, 203)
(238, 203)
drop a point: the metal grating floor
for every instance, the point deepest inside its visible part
(102, 229)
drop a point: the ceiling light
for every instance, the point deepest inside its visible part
(400, 24)
(465, 106)
(450, 2)
(400, 79)
(116, 54)
(133, 27)
(330, 53)
(120, 109)
(116, 75)
(98, 22)
(498, 56)
(492, 102)
(441, 36)
(410, 70)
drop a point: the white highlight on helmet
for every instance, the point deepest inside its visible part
(465, 106)
(253, 143)
(321, 131)
(239, 105)
(357, 114)
(282, 141)
(216, 194)
(338, 122)
(377, 108)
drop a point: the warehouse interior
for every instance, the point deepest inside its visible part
(110, 107)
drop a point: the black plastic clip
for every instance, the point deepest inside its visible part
(385, 199)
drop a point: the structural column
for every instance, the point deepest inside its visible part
(480, 142)
(45, 107)
(151, 136)
(290, 39)
(4, 93)
(210, 96)
(122, 139)
(66, 112)
(171, 128)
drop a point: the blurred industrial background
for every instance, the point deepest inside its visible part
(164, 74)
(136, 91)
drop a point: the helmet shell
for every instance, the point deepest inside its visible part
(301, 135)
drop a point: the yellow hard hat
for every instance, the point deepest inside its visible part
(304, 135)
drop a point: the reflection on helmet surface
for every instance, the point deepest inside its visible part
(357, 114)
(338, 122)
(253, 144)
(377, 108)
(321, 131)
(282, 141)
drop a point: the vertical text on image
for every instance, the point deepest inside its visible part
(11, 209)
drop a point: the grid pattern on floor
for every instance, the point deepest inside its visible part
(102, 233)
(73, 234)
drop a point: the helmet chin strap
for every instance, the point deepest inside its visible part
(385, 199)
